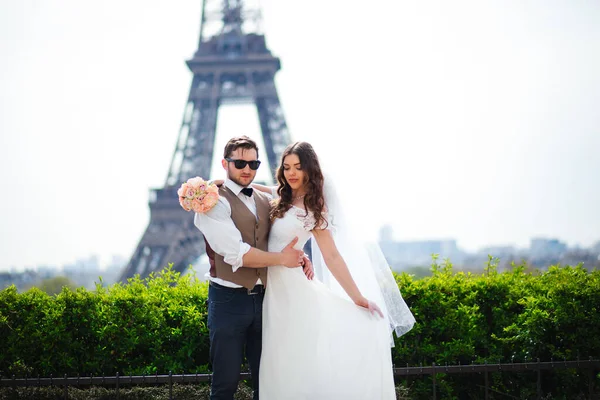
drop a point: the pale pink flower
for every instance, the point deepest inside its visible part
(213, 189)
(195, 181)
(185, 203)
(182, 189)
(190, 193)
(211, 199)
(197, 204)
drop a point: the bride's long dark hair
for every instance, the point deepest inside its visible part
(313, 200)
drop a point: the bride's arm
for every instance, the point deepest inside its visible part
(267, 189)
(263, 188)
(336, 264)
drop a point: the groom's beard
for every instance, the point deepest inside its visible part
(237, 181)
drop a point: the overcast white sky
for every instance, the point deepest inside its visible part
(471, 120)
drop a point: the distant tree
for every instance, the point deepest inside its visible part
(55, 284)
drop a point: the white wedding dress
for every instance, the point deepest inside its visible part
(316, 344)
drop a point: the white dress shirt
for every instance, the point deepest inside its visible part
(222, 235)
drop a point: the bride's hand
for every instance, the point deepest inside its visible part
(369, 305)
(218, 182)
(307, 267)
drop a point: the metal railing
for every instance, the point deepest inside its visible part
(119, 381)
(590, 365)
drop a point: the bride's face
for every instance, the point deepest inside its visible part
(293, 173)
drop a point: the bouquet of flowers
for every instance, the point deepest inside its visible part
(198, 195)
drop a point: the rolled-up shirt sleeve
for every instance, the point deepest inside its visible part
(222, 235)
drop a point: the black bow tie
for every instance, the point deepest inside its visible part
(247, 191)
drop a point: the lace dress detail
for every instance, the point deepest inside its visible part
(307, 218)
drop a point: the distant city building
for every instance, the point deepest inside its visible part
(541, 247)
(401, 256)
(84, 272)
(596, 248)
(386, 234)
(499, 251)
(405, 254)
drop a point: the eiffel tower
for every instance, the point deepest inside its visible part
(232, 65)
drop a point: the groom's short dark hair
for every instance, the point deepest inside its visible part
(240, 141)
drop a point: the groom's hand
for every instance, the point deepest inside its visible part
(308, 267)
(291, 257)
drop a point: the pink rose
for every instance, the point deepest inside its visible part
(196, 204)
(213, 189)
(196, 181)
(182, 189)
(190, 193)
(186, 204)
(211, 199)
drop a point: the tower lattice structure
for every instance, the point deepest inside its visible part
(231, 65)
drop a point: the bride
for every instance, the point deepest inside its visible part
(322, 338)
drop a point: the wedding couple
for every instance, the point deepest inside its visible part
(305, 338)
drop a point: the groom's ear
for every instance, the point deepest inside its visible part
(224, 164)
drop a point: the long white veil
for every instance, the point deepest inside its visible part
(364, 259)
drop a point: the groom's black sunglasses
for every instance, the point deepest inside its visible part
(241, 164)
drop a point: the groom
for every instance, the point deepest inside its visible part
(236, 233)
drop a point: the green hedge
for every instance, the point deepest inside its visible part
(159, 325)
(514, 316)
(146, 326)
(517, 315)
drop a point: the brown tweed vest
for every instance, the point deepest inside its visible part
(255, 232)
